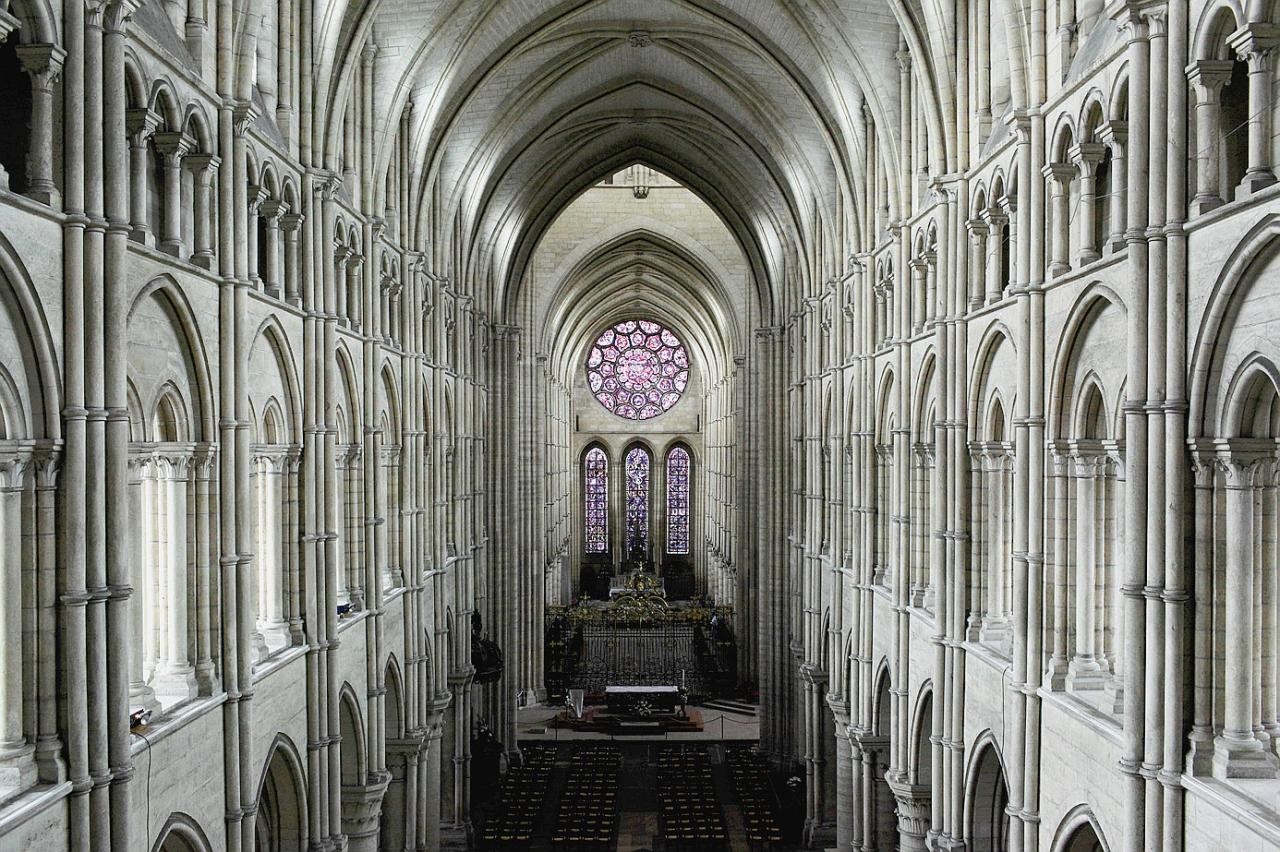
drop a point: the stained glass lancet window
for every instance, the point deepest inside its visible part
(678, 501)
(638, 369)
(596, 489)
(637, 500)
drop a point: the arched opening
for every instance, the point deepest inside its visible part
(15, 114)
(884, 806)
(638, 497)
(281, 824)
(987, 822)
(1084, 839)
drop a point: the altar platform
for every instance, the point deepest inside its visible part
(536, 724)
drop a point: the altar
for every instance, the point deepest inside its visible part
(643, 701)
(633, 709)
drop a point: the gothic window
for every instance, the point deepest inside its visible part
(596, 488)
(638, 369)
(637, 500)
(678, 501)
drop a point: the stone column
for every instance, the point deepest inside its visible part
(271, 211)
(257, 197)
(340, 256)
(1254, 43)
(203, 168)
(43, 64)
(352, 291)
(1059, 176)
(1087, 156)
(291, 223)
(914, 815)
(1084, 671)
(931, 286)
(141, 125)
(977, 287)
(272, 626)
(175, 675)
(141, 695)
(1237, 752)
(361, 810)
(172, 147)
(844, 774)
(997, 226)
(1055, 677)
(1207, 77)
(1114, 134)
(919, 295)
(17, 766)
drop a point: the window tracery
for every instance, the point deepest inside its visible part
(678, 501)
(638, 369)
(637, 500)
(596, 483)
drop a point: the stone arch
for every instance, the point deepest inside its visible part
(1079, 831)
(195, 122)
(393, 708)
(181, 833)
(350, 395)
(389, 403)
(176, 309)
(272, 333)
(920, 747)
(986, 825)
(1255, 257)
(168, 416)
(1217, 21)
(1063, 137)
(164, 102)
(33, 378)
(882, 702)
(983, 381)
(1252, 409)
(1082, 322)
(39, 21)
(281, 821)
(354, 761)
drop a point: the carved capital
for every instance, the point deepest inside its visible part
(42, 62)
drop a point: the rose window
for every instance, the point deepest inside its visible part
(638, 369)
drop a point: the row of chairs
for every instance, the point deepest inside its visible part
(749, 773)
(520, 800)
(587, 818)
(689, 816)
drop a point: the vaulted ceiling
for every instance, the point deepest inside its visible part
(519, 105)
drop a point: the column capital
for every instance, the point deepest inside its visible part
(202, 164)
(243, 115)
(118, 13)
(1209, 75)
(141, 124)
(995, 217)
(1060, 173)
(977, 226)
(173, 145)
(1087, 155)
(43, 62)
(272, 209)
(291, 222)
(8, 23)
(1114, 134)
(1254, 42)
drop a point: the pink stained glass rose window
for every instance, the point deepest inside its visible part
(638, 369)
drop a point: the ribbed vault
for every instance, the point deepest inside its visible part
(515, 108)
